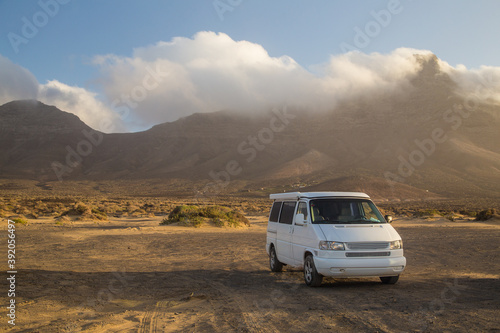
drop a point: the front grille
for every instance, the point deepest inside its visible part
(368, 245)
(367, 254)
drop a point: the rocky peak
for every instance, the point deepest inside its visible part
(32, 115)
(430, 78)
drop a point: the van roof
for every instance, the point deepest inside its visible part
(298, 195)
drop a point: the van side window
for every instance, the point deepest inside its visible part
(275, 211)
(302, 209)
(287, 212)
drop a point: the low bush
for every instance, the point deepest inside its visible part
(218, 222)
(20, 220)
(166, 221)
(182, 213)
(468, 212)
(451, 217)
(84, 212)
(81, 208)
(98, 214)
(486, 214)
(428, 213)
(191, 215)
(236, 218)
(195, 221)
(62, 219)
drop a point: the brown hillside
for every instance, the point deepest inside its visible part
(419, 139)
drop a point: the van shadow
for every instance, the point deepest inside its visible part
(76, 288)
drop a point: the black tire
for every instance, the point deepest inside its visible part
(389, 279)
(311, 276)
(274, 263)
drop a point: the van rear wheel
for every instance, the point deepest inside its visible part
(389, 279)
(274, 263)
(311, 275)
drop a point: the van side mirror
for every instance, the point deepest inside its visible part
(388, 218)
(300, 219)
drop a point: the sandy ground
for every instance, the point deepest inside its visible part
(132, 275)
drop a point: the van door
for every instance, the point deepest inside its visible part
(284, 232)
(304, 235)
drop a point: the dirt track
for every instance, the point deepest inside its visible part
(133, 275)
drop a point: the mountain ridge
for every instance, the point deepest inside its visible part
(416, 141)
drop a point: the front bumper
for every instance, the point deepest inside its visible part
(357, 267)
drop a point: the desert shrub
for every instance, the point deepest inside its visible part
(427, 212)
(148, 207)
(20, 220)
(213, 212)
(486, 214)
(62, 219)
(195, 221)
(81, 208)
(55, 209)
(41, 207)
(192, 220)
(468, 213)
(166, 221)
(236, 218)
(181, 213)
(136, 214)
(33, 215)
(85, 212)
(252, 208)
(195, 216)
(22, 210)
(218, 222)
(110, 209)
(99, 214)
(132, 208)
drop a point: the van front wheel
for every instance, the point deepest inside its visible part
(311, 275)
(389, 279)
(274, 263)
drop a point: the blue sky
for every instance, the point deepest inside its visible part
(73, 33)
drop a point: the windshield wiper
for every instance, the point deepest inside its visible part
(364, 221)
(327, 222)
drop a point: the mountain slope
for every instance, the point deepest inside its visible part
(32, 135)
(423, 142)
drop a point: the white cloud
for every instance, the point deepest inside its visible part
(18, 83)
(483, 83)
(207, 73)
(212, 72)
(82, 103)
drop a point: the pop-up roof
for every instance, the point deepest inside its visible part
(298, 195)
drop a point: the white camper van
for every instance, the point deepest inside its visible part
(336, 234)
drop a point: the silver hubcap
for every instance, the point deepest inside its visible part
(272, 258)
(308, 271)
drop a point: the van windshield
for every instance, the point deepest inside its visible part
(344, 211)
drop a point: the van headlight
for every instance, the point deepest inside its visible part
(395, 245)
(335, 246)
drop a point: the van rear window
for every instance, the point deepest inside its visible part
(275, 211)
(287, 212)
